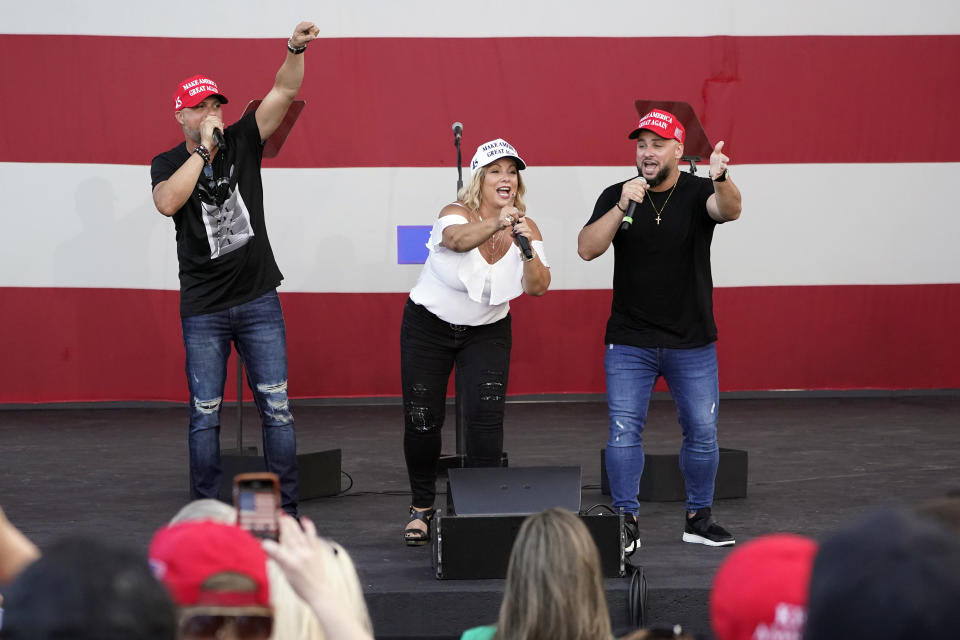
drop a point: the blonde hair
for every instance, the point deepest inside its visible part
(554, 588)
(470, 195)
(206, 509)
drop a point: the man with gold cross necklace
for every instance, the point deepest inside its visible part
(661, 322)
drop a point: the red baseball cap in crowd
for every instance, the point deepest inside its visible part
(663, 123)
(760, 590)
(212, 567)
(195, 90)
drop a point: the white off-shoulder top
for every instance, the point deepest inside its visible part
(463, 288)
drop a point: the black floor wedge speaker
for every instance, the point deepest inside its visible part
(478, 547)
(318, 474)
(486, 506)
(512, 490)
(662, 481)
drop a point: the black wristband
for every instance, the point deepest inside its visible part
(202, 151)
(293, 50)
(619, 207)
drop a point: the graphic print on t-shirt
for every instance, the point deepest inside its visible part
(228, 226)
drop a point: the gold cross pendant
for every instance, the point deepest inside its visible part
(658, 219)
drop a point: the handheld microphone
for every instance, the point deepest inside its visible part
(457, 131)
(218, 138)
(628, 216)
(525, 247)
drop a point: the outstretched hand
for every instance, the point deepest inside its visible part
(718, 161)
(300, 555)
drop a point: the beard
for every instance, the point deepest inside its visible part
(656, 180)
(193, 134)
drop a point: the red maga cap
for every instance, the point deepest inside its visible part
(760, 590)
(194, 90)
(206, 564)
(663, 123)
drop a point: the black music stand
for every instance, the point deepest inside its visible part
(318, 473)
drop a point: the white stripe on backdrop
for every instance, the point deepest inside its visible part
(492, 18)
(334, 230)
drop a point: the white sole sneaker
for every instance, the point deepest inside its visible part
(695, 539)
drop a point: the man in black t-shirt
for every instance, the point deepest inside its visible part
(661, 322)
(210, 184)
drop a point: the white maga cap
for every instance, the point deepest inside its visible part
(492, 151)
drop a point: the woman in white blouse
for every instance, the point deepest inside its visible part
(459, 313)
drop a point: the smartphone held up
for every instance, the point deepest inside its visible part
(256, 497)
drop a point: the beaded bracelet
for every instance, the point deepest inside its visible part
(202, 151)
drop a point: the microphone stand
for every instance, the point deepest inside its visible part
(456, 143)
(459, 460)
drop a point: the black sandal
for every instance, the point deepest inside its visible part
(416, 537)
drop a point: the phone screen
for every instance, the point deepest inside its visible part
(257, 504)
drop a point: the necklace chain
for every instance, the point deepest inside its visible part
(664, 206)
(493, 242)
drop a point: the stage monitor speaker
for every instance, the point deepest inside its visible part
(478, 547)
(512, 490)
(662, 481)
(318, 473)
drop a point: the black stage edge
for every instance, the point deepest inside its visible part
(121, 473)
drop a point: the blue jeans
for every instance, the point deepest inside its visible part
(257, 330)
(692, 377)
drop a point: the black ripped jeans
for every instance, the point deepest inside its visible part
(429, 348)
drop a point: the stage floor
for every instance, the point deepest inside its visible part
(814, 464)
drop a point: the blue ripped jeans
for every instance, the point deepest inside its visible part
(692, 377)
(257, 330)
(429, 348)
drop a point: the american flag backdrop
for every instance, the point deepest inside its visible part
(840, 120)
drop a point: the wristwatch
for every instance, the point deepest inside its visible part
(723, 176)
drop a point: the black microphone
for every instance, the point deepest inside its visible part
(457, 131)
(628, 216)
(218, 138)
(525, 247)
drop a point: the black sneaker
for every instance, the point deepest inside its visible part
(702, 529)
(631, 534)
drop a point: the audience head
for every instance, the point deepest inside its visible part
(890, 576)
(554, 586)
(760, 590)
(85, 589)
(217, 576)
(206, 509)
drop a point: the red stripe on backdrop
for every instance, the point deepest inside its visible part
(562, 101)
(66, 345)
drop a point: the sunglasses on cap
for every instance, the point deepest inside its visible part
(244, 627)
